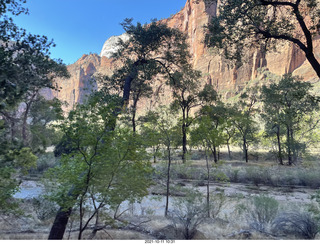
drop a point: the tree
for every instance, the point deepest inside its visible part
(105, 169)
(42, 114)
(25, 66)
(164, 122)
(210, 128)
(149, 133)
(243, 119)
(184, 87)
(186, 95)
(264, 23)
(287, 105)
(152, 50)
(209, 134)
(156, 46)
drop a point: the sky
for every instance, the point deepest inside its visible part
(82, 26)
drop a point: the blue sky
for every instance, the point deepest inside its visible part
(82, 26)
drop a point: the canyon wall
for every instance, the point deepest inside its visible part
(216, 71)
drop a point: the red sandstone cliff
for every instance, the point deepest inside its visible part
(215, 69)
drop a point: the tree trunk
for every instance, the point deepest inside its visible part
(215, 156)
(133, 120)
(314, 62)
(168, 181)
(208, 184)
(25, 118)
(154, 155)
(229, 151)
(245, 149)
(289, 146)
(184, 136)
(59, 225)
(134, 112)
(279, 146)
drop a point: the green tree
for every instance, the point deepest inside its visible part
(150, 135)
(209, 133)
(155, 46)
(184, 87)
(264, 23)
(186, 95)
(243, 113)
(42, 114)
(210, 128)
(25, 67)
(105, 169)
(288, 105)
(164, 123)
(152, 50)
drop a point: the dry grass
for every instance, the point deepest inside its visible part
(227, 226)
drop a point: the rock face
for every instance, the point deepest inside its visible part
(81, 83)
(216, 71)
(110, 46)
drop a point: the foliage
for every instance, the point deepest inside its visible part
(152, 51)
(261, 212)
(314, 208)
(287, 105)
(188, 214)
(13, 163)
(184, 86)
(164, 122)
(106, 166)
(209, 130)
(42, 114)
(242, 115)
(25, 68)
(241, 25)
(44, 208)
(300, 224)
(45, 161)
(217, 204)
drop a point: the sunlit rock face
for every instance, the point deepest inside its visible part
(191, 20)
(111, 45)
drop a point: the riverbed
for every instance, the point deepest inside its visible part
(155, 204)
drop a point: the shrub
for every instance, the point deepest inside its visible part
(300, 224)
(259, 175)
(309, 178)
(189, 212)
(234, 175)
(261, 212)
(44, 208)
(44, 162)
(217, 202)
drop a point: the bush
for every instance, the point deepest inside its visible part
(189, 212)
(309, 178)
(300, 224)
(261, 212)
(233, 174)
(186, 171)
(44, 162)
(259, 175)
(217, 202)
(44, 208)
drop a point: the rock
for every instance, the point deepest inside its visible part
(81, 83)
(111, 45)
(215, 69)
